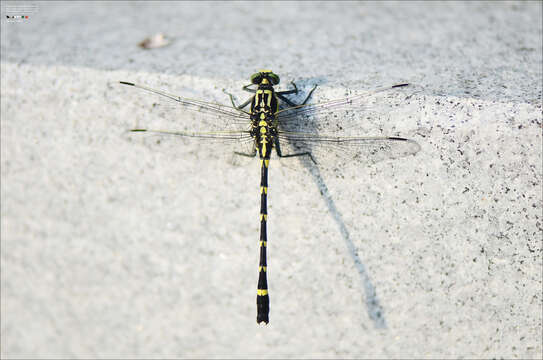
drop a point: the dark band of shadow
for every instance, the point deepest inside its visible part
(373, 306)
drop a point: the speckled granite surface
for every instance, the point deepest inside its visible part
(115, 249)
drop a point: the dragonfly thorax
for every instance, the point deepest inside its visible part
(264, 100)
(263, 108)
(264, 132)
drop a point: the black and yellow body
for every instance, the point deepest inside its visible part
(264, 105)
(271, 128)
(263, 131)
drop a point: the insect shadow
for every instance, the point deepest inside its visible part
(373, 306)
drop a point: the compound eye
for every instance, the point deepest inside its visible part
(273, 78)
(256, 78)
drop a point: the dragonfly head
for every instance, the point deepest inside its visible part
(265, 77)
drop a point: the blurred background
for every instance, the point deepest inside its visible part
(114, 249)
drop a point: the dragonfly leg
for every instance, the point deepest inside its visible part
(253, 154)
(307, 153)
(278, 150)
(309, 95)
(286, 92)
(290, 103)
(240, 107)
(248, 89)
(284, 99)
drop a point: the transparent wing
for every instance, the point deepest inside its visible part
(336, 132)
(217, 136)
(341, 111)
(222, 129)
(215, 144)
(335, 151)
(177, 109)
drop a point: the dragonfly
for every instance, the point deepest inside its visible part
(271, 122)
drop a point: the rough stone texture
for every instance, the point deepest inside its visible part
(113, 248)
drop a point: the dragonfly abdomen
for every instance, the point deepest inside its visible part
(262, 297)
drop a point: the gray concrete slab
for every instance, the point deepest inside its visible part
(113, 248)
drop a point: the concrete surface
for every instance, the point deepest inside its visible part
(112, 248)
